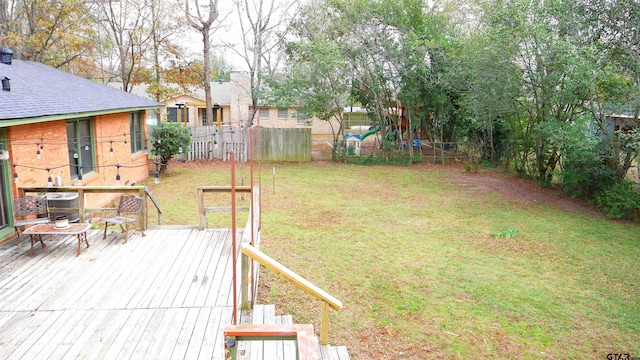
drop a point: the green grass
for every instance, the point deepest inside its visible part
(426, 269)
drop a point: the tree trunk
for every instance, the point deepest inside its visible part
(207, 82)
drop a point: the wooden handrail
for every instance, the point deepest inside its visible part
(328, 301)
(155, 203)
(303, 334)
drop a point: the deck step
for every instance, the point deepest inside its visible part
(281, 349)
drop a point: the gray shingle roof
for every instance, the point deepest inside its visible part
(220, 91)
(39, 90)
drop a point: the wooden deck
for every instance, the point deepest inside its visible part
(163, 296)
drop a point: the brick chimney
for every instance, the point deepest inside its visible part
(5, 56)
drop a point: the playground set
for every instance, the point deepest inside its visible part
(353, 140)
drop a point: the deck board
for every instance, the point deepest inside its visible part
(163, 296)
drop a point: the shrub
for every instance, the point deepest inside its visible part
(169, 139)
(621, 201)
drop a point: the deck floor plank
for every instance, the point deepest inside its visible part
(209, 275)
(167, 295)
(136, 334)
(27, 328)
(184, 335)
(187, 277)
(105, 335)
(46, 344)
(197, 336)
(116, 301)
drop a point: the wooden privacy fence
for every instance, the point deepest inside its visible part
(213, 142)
(284, 144)
(275, 144)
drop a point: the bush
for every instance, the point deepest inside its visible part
(169, 139)
(621, 201)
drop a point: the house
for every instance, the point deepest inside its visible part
(231, 102)
(62, 129)
(621, 122)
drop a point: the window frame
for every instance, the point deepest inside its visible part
(302, 118)
(85, 148)
(281, 115)
(136, 132)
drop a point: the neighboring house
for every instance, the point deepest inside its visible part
(231, 102)
(623, 123)
(55, 124)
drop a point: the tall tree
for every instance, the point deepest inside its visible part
(259, 21)
(164, 24)
(127, 22)
(204, 21)
(56, 32)
(316, 79)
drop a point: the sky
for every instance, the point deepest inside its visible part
(229, 32)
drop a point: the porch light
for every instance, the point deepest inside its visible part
(118, 183)
(75, 154)
(110, 147)
(15, 174)
(156, 177)
(49, 179)
(4, 155)
(38, 152)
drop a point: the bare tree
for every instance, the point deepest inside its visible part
(259, 20)
(203, 21)
(126, 21)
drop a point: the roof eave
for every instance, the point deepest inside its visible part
(33, 120)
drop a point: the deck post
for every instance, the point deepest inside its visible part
(246, 282)
(203, 214)
(324, 323)
(81, 207)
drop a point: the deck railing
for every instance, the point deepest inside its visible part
(83, 209)
(204, 210)
(327, 300)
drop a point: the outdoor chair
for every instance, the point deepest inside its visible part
(129, 211)
(29, 210)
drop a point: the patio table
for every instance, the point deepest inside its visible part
(36, 232)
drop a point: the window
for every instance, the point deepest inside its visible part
(263, 113)
(177, 114)
(80, 144)
(172, 114)
(217, 112)
(136, 131)
(301, 117)
(283, 113)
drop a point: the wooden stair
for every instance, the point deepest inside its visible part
(279, 349)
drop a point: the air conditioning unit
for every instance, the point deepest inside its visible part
(60, 201)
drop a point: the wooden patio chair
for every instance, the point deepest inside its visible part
(29, 210)
(129, 211)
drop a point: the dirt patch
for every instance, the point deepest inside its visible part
(515, 189)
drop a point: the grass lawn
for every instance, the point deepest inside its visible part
(428, 267)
